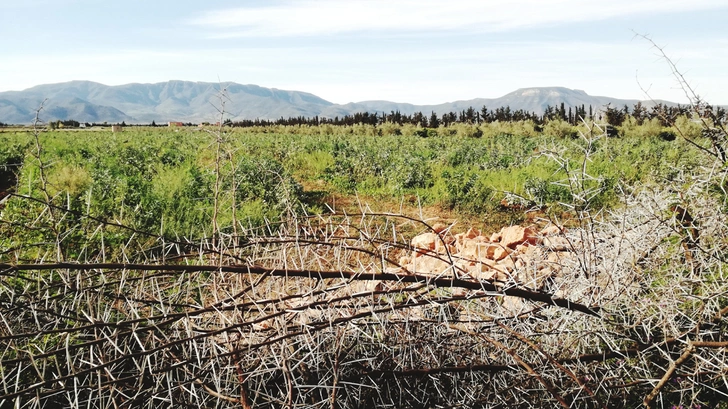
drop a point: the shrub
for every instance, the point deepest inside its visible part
(467, 192)
(410, 171)
(560, 129)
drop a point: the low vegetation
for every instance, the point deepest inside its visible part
(162, 180)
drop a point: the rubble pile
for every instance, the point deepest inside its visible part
(525, 255)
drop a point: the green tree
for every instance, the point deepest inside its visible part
(434, 120)
(614, 116)
(639, 113)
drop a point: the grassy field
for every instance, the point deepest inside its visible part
(164, 180)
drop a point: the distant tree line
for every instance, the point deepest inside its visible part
(613, 116)
(76, 124)
(68, 123)
(433, 120)
(664, 113)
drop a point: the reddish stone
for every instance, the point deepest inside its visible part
(425, 241)
(515, 235)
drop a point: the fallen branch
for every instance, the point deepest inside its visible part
(437, 282)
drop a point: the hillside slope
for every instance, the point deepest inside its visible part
(187, 101)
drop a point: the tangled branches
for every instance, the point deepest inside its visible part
(319, 315)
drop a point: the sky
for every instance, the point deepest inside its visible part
(416, 51)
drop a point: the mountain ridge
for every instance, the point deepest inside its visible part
(196, 101)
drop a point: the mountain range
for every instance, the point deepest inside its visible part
(187, 101)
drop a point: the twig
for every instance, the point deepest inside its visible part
(668, 374)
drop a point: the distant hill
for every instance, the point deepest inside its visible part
(528, 99)
(184, 101)
(187, 101)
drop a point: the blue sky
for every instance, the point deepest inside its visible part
(417, 51)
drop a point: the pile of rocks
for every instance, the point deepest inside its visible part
(525, 255)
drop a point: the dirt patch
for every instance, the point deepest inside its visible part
(323, 198)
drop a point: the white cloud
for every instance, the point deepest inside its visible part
(322, 17)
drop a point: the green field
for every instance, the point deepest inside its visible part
(164, 180)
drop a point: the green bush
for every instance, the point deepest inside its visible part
(468, 192)
(560, 129)
(411, 171)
